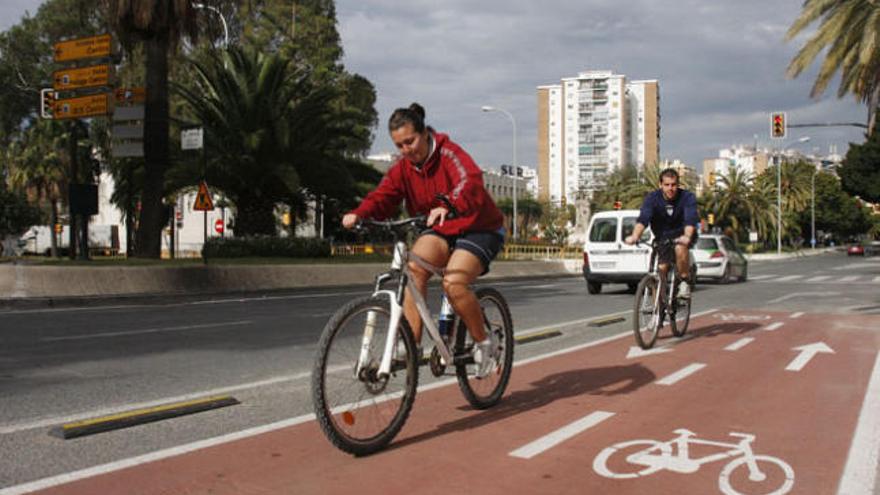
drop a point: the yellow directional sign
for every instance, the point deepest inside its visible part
(83, 106)
(85, 77)
(203, 199)
(91, 47)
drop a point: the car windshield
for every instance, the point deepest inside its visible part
(604, 230)
(707, 244)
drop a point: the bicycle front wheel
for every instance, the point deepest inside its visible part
(485, 392)
(680, 320)
(647, 315)
(359, 410)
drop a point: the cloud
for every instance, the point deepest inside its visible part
(721, 66)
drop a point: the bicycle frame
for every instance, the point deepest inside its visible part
(401, 271)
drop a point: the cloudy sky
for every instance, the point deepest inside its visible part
(720, 64)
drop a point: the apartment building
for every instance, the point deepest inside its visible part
(590, 125)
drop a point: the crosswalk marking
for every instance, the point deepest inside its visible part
(681, 374)
(825, 279)
(555, 438)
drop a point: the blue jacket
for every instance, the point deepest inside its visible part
(667, 219)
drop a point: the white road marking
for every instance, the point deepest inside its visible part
(773, 326)
(760, 277)
(802, 294)
(788, 278)
(148, 330)
(807, 353)
(850, 278)
(876, 280)
(860, 472)
(553, 439)
(818, 279)
(797, 315)
(681, 374)
(739, 344)
(259, 430)
(635, 351)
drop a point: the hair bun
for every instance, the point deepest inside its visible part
(418, 109)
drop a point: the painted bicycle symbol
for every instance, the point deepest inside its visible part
(651, 456)
(736, 317)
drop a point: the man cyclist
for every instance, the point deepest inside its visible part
(672, 214)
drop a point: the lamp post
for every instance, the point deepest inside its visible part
(813, 209)
(800, 140)
(487, 108)
(222, 20)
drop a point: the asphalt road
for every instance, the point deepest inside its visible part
(63, 365)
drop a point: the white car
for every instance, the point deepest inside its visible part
(607, 259)
(718, 258)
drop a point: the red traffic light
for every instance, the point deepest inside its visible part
(778, 126)
(618, 205)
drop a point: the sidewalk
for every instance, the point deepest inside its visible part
(788, 255)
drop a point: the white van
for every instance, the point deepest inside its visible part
(607, 259)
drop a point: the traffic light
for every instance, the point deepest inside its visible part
(618, 205)
(711, 218)
(47, 103)
(777, 125)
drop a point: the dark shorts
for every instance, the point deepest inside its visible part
(666, 253)
(485, 245)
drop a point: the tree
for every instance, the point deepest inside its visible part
(16, 214)
(847, 35)
(39, 165)
(860, 173)
(160, 25)
(269, 135)
(837, 212)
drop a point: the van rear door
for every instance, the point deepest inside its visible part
(602, 244)
(633, 259)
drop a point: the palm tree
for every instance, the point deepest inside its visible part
(160, 25)
(848, 34)
(40, 165)
(268, 134)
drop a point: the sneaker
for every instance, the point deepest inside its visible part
(684, 290)
(486, 356)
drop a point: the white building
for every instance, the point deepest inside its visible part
(590, 125)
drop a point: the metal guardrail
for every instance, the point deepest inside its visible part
(511, 251)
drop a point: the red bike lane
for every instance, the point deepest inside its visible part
(571, 423)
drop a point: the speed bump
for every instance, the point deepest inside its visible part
(141, 416)
(536, 336)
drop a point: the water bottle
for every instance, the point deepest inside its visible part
(447, 315)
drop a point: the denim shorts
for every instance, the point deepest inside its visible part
(485, 245)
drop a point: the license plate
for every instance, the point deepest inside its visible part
(604, 264)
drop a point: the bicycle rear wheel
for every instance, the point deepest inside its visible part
(361, 412)
(485, 392)
(647, 313)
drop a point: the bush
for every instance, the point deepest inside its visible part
(266, 246)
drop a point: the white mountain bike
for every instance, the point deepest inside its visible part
(365, 374)
(650, 456)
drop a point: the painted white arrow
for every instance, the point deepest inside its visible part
(807, 353)
(635, 352)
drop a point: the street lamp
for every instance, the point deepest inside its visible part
(800, 140)
(487, 108)
(813, 208)
(222, 19)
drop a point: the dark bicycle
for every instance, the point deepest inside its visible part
(653, 307)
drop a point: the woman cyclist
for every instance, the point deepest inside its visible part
(431, 174)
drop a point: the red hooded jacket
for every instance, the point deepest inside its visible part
(449, 171)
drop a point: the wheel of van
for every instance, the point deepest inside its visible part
(745, 274)
(594, 287)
